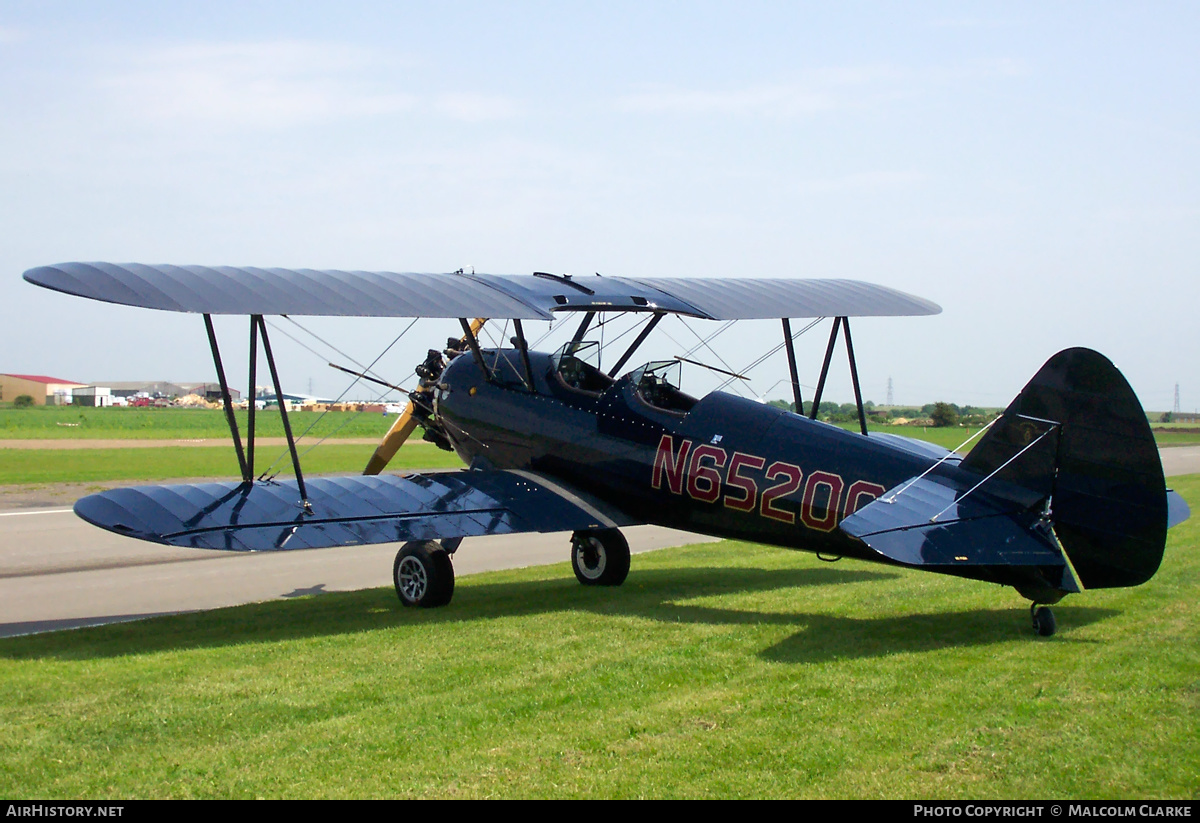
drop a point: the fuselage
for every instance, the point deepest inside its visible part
(721, 465)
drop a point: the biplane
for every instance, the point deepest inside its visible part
(1062, 493)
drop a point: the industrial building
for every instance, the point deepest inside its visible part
(56, 392)
(44, 390)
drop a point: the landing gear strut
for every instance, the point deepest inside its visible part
(423, 574)
(1043, 620)
(600, 558)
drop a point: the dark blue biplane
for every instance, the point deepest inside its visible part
(1064, 492)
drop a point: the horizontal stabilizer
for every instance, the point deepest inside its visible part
(268, 516)
(1177, 509)
(934, 522)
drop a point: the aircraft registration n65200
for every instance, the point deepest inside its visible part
(1063, 492)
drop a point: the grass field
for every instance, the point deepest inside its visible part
(953, 437)
(24, 467)
(71, 423)
(81, 423)
(19, 466)
(720, 670)
(1170, 438)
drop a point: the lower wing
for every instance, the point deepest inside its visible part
(269, 516)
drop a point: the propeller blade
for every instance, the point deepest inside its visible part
(406, 423)
(404, 426)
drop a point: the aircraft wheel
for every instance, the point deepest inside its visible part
(1043, 620)
(423, 574)
(600, 558)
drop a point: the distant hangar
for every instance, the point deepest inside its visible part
(43, 389)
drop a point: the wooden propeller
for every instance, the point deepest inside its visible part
(405, 424)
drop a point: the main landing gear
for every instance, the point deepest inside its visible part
(1043, 620)
(423, 574)
(600, 557)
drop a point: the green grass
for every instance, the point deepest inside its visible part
(71, 423)
(37, 466)
(953, 437)
(75, 423)
(948, 438)
(23, 466)
(1169, 438)
(720, 670)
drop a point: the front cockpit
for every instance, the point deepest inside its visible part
(576, 368)
(500, 407)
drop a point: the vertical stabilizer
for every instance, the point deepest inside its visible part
(1098, 465)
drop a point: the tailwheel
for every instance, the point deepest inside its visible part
(600, 558)
(423, 574)
(1043, 620)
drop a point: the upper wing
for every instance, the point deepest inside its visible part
(267, 516)
(230, 290)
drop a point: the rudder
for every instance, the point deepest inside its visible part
(1096, 462)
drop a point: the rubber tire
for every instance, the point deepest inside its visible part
(423, 575)
(600, 558)
(1043, 621)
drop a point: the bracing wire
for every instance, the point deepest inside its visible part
(773, 351)
(704, 343)
(353, 383)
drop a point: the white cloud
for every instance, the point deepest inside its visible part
(777, 100)
(475, 108)
(276, 85)
(817, 91)
(863, 181)
(250, 84)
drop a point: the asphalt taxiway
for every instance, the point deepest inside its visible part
(57, 572)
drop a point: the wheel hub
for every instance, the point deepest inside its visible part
(591, 556)
(412, 579)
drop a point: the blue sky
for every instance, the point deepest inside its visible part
(1031, 167)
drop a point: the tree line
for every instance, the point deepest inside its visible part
(940, 413)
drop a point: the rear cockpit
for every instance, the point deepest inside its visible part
(576, 366)
(657, 385)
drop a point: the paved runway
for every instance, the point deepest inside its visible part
(57, 572)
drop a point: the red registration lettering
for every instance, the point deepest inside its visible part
(747, 500)
(828, 509)
(860, 494)
(704, 482)
(666, 462)
(791, 481)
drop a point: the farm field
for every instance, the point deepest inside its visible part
(74, 423)
(23, 466)
(71, 423)
(159, 459)
(718, 670)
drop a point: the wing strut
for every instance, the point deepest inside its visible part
(791, 355)
(844, 322)
(287, 426)
(225, 399)
(583, 327)
(469, 336)
(524, 347)
(862, 413)
(641, 338)
(250, 407)
(837, 321)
